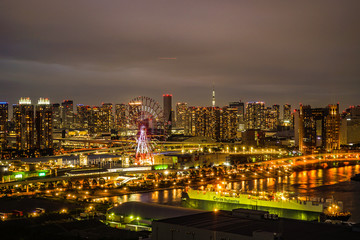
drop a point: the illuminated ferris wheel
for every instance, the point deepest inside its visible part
(145, 111)
(146, 116)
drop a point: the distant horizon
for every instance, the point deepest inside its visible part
(159, 100)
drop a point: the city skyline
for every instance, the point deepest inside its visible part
(160, 100)
(161, 119)
(278, 53)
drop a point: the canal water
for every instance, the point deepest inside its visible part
(324, 183)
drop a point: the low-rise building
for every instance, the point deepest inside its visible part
(243, 224)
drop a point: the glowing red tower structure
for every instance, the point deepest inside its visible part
(143, 151)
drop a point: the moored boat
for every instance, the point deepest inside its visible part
(279, 200)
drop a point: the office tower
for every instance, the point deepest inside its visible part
(350, 126)
(240, 114)
(24, 124)
(43, 121)
(181, 109)
(120, 116)
(287, 119)
(56, 113)
(255, 115)
(319, 128)
(167, 98)
(4, 114)
(106, 117)
(67, 114)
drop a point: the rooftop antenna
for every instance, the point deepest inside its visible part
(213, 96)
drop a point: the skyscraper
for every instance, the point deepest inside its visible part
(181, 109)
(350, 126)
(287, 119)
(319, 128)
(332, 132)
(120, 116)
(212, 122)
(56, 113)
(95, 120)
(189, 128)
(255, 115)
(44, 125)
(83, 115)
(167, 99)
(106, 117)
(67, 114)
(276, 109)
(272, 117)
(4, 114)
(228, 123)
(24, 124)
(306, 129)
(240, 114)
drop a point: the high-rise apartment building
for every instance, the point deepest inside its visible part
(287, 118)
(95, 120)
(240, 114)
(167, 100)
(56, 113)
(120, 116)
(319, 128)
(23, 114)
(67, 114)
(4, 114)
(332, 128)
(83, 116)
(255, 115)
(229, 123)
(212, 122)
(350, 126)
(101, 118)
(106, 117)
(44, 124)
(189, 128)
(272, 117)
(181, 109)
(276, 109)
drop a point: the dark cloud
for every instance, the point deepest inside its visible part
(94, 51)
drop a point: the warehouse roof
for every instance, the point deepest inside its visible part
(224, 221)
(151, 211)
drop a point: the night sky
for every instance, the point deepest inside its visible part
(111, 51)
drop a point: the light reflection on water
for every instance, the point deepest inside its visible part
(324, 183)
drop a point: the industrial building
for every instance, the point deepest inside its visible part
(243, 224)
(139, 216)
